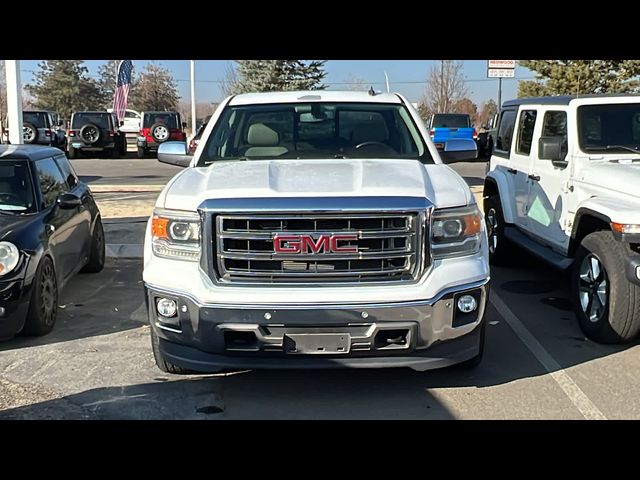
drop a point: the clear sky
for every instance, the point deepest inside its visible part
(405, 76)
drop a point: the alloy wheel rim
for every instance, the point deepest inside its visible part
(593, 288)
(28, 133)
(161, 133)
(48, 294)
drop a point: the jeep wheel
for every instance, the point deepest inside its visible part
(607, 304)
(90, 133)
(107, 153)
(29, 132)
(160, 132)
(73, 152)
(141, 152)
(500, 249)
(163, 364)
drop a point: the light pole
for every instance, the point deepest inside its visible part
(386, 77)
(193, 98)
(14, 101)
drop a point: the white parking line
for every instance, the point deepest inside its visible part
(579, 399)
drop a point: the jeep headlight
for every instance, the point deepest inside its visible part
(456, 232)
(176, 234)
(9, 257)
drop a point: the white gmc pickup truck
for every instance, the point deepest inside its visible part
(316, 229)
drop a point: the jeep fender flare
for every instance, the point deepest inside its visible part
(497, 180)
(610, 210)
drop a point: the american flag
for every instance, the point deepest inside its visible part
(121, 94)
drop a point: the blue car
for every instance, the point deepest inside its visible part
(445, 126)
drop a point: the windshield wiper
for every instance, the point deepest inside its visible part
(635, 149)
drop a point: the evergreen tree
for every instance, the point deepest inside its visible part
(64, 86)
(278, 75)
(579, 77)
(156, 89)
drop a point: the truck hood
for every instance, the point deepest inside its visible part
(623, 178)
(315, 178)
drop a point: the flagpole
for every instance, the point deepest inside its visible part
(193, 98)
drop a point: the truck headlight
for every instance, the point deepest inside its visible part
(9, 257)
(456, 231)
(176, 234)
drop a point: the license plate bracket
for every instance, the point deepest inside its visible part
(317, 343)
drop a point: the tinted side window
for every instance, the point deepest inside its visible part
(555, 125)
(505, 130)
(67, 170)
(525, 131)
(51, 181)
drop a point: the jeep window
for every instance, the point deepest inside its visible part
(609, 127)
(168, 119)
(505, 131)
(525, 131)
(555, 125)
(315, 130)
(101, 120)
(450, 120)
(52, 182)
(38, 119)
(16, 190)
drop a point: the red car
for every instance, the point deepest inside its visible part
(157, 128)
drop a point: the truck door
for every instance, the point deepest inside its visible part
(549, 186)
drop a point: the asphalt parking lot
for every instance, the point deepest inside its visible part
(97, 363)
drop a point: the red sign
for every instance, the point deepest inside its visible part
(299, 244)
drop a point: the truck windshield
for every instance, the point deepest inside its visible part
(611, 127)
(315, 130)
(450, 120)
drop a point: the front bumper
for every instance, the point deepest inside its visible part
(421, 334)
(14, 299)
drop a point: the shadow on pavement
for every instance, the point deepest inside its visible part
(95, 304)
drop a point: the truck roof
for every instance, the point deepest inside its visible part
(313, 96)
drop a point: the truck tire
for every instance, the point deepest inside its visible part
(162, 364)
(607, 304)
(500, 249)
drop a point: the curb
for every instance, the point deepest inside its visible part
(126, 188)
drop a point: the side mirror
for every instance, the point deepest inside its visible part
(459, 150)
(67, 201)
(184, 124)
(550, 148)
(174, 153)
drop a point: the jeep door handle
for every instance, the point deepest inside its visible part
(512, 170)
(535, 178)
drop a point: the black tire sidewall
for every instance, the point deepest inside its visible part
(85, 128)
(34, 324)
(503, 246)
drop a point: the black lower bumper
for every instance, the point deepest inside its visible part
(14, 300)
(420, 335)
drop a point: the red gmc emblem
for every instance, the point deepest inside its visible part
(309, 244)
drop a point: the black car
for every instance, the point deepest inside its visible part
(50, 228)
(96, 132)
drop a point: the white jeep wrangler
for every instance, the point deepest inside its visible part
(313, 230)
(564, 183)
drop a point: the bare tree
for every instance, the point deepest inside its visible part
(355, 83)
(445, 86)
(230, 81)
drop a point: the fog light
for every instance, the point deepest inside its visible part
(467, 304)
(167, 308)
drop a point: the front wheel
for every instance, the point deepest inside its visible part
(607, 304)
(500, 249)
(73, 153)
(43, 307)
(141, 152)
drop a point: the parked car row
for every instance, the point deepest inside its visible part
(100, 132)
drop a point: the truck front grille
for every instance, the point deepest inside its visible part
(319, 248)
